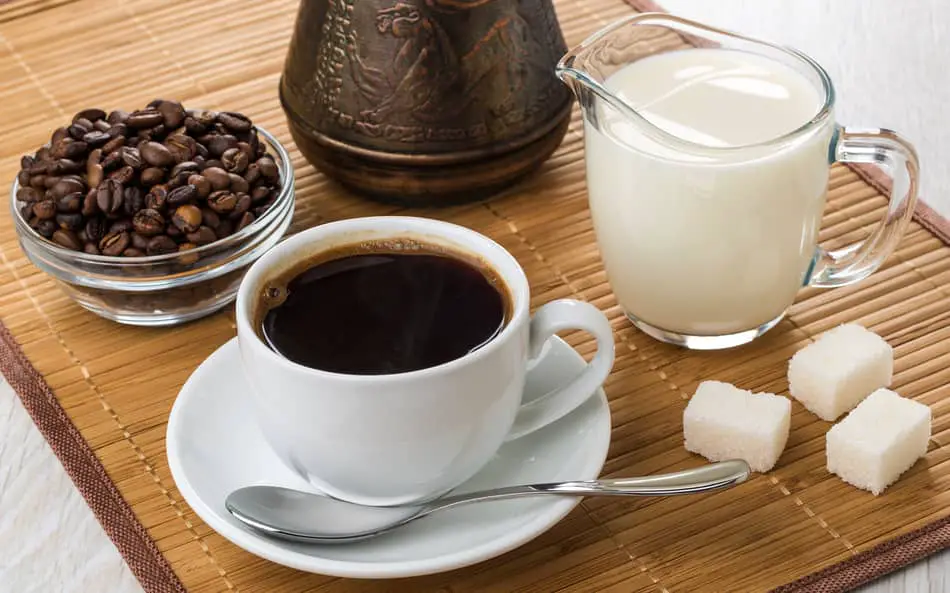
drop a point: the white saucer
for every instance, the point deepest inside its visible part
(214, 447)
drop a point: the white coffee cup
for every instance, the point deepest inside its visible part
(400, 438)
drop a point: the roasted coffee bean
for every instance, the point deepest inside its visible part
(28, 194)
(138, 241)
(82, 234)
(210, 218)
(202, 236)
(38, 182)
(73, 221)
(161, 244)
(217, 177)
(156, 133)
(67, 239)
(75, 150)
(222, 202)
(201, 184)
(91, 114)
(187, 259)
(123, 174)
(26, 212)
(172, 112)
(91, 249)
(193, 127)
(113, 145)
(89, 205)
(174, 232)
(112, 161)
(50, 181)
(234, 160)
(184, 167)
(247, 219)
(156, 154)
(133, 252)
(242, 205)
(213, 163)
(121, 226)
(133, 200)
(77, 131)
(187, 218)
(26, 161)
(114, 244)
(44, 153)
(148, 222)
(44, 209)
(246, 149)
(157, 198)
(183, 148)
(23, 178)
(102, 125)
(152, 176)
(269, 169)
(70, 203)
(218, 145)
(59, 134)
(143, 119)
(202, 154)
(96, 228)
(260, 194)
(224, 229)
(96, 138)
(182, 195)
(133, 141)
(109, 197)
(46, 228)
(117, 116)
(236, 122)
(66, 167)
(119, 131)
(66, 186)
(238, 183)
(131, 157)
(257, 147)
(40, 167)
(253, 174)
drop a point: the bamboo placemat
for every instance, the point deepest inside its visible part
(108, 389)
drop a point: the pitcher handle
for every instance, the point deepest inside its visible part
(898, 159)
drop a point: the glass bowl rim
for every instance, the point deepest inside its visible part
(285, 167)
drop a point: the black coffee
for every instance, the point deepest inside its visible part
(378, 312)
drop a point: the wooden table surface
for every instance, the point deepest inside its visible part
(49, 540)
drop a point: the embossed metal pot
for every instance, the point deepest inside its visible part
(425, 102)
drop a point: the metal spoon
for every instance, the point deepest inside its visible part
(305, 517)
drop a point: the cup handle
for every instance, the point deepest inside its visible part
(547, 321)
(898, 159)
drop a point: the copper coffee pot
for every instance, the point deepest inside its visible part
(425, 102)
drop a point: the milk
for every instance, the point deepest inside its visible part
(708, 242)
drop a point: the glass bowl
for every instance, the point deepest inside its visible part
(169, 289)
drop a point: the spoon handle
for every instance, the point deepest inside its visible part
(703, 479)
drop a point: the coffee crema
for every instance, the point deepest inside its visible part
(383, 307)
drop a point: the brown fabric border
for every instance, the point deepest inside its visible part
(87, 473)
(910, 547)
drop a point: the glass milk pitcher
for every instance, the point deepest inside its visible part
(708, 158)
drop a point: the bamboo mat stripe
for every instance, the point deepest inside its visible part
(113, 386)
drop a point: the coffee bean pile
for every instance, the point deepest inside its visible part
(159, 180)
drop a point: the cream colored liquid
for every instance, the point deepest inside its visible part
(708, 244)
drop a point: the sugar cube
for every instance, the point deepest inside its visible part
(724, 422)
(837, 371)
(878, 441)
